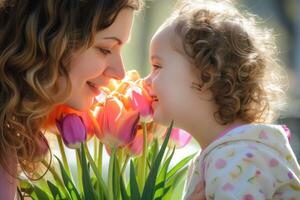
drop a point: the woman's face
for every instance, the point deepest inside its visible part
(93, 67)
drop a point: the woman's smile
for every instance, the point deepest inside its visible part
(94, 88)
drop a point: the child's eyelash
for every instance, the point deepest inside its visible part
(156, 67)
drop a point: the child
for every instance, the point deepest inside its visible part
(215, 73)
(53, 52)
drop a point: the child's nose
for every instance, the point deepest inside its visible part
(148, 80)
(147, 83)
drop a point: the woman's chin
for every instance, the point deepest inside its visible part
(81, 105)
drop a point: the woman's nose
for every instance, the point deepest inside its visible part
(116, 69)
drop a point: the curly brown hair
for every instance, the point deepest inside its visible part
(36, 38)
(237, 60)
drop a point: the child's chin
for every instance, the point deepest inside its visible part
(161, 119)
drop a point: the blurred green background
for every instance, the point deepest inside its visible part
(283, 16)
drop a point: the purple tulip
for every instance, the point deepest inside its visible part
(72, 130)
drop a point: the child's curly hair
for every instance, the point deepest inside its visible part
(237, 60)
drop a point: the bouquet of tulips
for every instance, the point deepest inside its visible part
(140, 151)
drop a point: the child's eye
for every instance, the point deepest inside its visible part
(104, 51)
(156, 67)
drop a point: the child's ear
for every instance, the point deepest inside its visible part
(206, 77)
(196, 86)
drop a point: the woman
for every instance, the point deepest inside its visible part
(53, 52)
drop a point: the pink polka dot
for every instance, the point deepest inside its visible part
(257, 173)
(221, 163)
(273, 162)
(228, 187)
(249, 155)
(248, 197)
(263, 135)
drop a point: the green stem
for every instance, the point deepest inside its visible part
(99, 157)
(142, 175)
(99, 164)
(110, 172)
(97, 174)
(63, 155)
(79, 172)
(125, 164)
(120, 155)
(95, 148)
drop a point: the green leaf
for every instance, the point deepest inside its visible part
(134, 188)
(40, 193)
(162, 176)
(42, 184)
(55, 191)
(174, 181)
(179, 165)
(58, 180)
(149, 189)
(100, 180)
(68, 182)
(27, 188)
(165, 190)
(124, 193)
(88, 190)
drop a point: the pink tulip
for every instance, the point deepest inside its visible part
(140, 100)
(135, 148)
(72, 130)
(117, 125)
(179, 138)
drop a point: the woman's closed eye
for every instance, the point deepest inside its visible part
(104, 51)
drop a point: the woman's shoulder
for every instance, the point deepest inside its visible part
(8, 180)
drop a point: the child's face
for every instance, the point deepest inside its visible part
(170, 79)
(94, 67)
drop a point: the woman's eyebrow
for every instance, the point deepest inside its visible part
(114, 38)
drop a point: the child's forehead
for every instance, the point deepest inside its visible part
(166, 34)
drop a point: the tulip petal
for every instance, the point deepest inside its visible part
(141, 103)
(127, 127)
(59, 125)
(132, 75)
(99, 113)
(73, 130)
(179, 137)
(113, 109)
(88, 120)
(136, 146)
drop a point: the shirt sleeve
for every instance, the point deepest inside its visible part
(243, 170)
